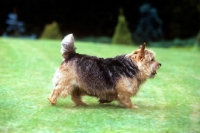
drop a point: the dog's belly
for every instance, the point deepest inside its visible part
(105, 97)
(101, 91)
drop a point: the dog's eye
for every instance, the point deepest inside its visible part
(152, 60)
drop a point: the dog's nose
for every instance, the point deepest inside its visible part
(160, 64)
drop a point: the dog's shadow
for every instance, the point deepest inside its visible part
(89, 106)
(110, 106)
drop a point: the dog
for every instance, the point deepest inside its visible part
(108, 79)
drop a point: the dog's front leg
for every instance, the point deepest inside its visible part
(125, 101)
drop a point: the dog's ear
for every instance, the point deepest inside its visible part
(139, 54)
(142, 47)
(142, 51)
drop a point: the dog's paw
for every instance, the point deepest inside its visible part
(134, 107)
(101, 101)
(51, 102)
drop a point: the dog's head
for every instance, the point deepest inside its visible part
(145, 60)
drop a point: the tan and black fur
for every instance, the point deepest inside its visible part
(108, 79)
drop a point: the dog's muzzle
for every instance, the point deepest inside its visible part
(154, 72)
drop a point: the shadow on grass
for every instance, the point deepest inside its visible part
(89, 106)
(111, 106)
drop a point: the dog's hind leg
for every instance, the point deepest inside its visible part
(76, 97)
(102, 101)
(55, 94)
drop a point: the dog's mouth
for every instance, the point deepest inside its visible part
(153, 74)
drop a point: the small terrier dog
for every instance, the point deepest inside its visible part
(108, 79)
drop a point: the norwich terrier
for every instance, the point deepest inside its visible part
(108, 79)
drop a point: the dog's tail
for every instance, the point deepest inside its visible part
(67, 46)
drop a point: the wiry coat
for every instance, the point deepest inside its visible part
(108, 79)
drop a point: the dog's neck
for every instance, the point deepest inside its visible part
(142, 76)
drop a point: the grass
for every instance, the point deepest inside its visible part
(169, 103)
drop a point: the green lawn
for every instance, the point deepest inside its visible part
(169, 103)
